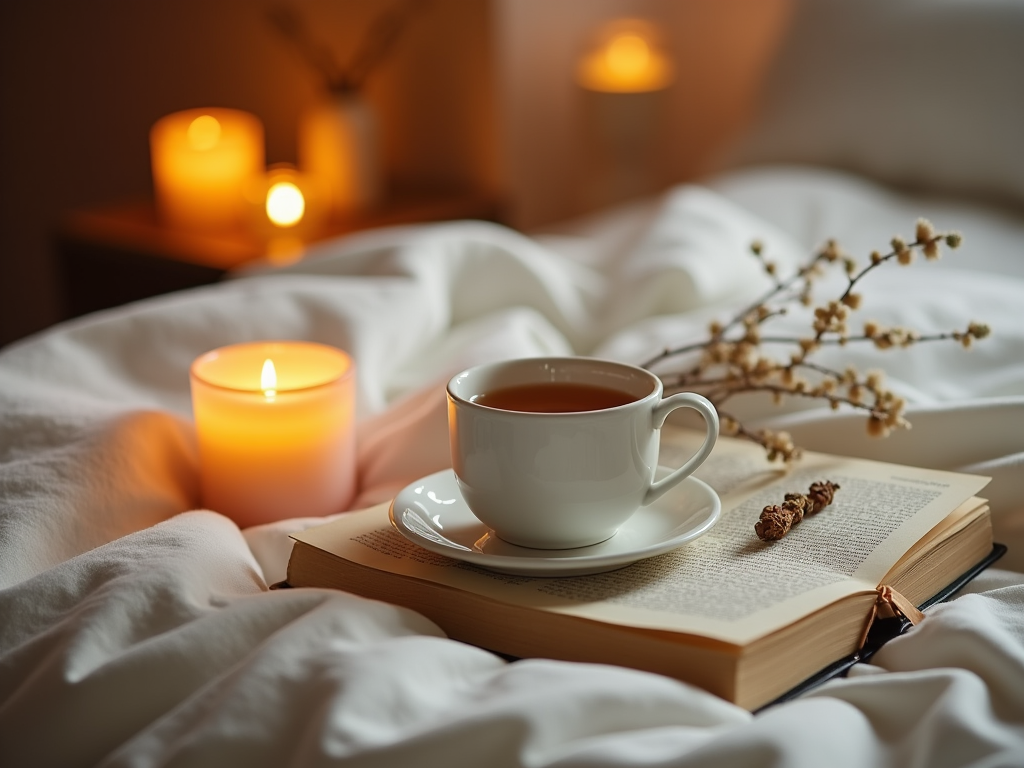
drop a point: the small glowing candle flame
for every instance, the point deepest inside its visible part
(203, 133)
(268, 379)
(285, 204)
(628, 56)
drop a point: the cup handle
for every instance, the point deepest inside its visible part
(661, 411)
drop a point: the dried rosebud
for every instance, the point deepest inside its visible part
(773, 524)
(776, 520)
(799, 505)
(822, 494)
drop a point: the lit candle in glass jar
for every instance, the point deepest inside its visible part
(202, 159)
(276, 427)
(285, 209)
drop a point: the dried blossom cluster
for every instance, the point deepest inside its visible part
(732, 360)
(776, 520)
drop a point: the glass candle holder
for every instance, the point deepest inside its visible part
(201, 160)
(275, 422)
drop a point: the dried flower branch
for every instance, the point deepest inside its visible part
(380, 38)
(776, 520)
(732, 359)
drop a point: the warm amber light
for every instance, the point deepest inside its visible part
(202, 161)
(285, 204)
(268, 379)
(628, 55)
(625, 59)
(203, 133)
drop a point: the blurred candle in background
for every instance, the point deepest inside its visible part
(625, 57)
(285, 200)
(625, 73)
(201, 160)
(285, 205)
(276, 427)
(285, 209)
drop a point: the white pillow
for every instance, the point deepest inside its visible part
(924, 94)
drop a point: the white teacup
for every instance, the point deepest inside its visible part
(556, 480)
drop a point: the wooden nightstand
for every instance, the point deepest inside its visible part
(116, 254)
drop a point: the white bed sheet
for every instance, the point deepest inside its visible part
(136, 631)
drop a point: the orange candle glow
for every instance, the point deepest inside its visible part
(625, 59)
(276, 428)
(284, 200)
(286, 209)
(202, 159)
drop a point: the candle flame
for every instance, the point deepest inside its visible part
(628, 56)
(203, 133)
(268, 379)
(285, 204)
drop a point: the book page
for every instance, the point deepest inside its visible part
(727, 585)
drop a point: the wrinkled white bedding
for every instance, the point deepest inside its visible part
(135, 631)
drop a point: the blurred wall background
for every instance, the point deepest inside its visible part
(552, 146)
(478, 95)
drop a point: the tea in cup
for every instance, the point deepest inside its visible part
(558, 452)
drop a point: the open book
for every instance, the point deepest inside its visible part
(744, 619)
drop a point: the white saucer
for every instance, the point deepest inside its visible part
(432, 514)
